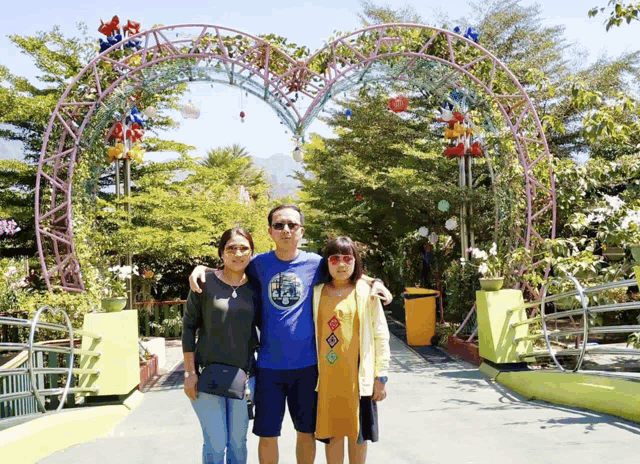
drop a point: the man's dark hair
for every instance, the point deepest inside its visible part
(279, 207)
(342, 246)
(228, 235)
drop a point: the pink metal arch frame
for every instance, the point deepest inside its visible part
(249, 66)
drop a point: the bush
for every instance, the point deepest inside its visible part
(461, 284)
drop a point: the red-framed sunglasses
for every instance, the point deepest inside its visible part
(347, 259)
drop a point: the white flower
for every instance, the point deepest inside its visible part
(483, 268)
(451, 224)
(493, 251)
(615, 202)
(479, 254)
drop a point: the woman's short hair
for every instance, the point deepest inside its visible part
(229, 234)
(342, 246)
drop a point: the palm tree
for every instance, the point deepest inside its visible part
(237, 160)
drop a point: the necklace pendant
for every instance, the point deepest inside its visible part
(234, 294)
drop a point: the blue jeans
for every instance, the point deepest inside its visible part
(224, 424)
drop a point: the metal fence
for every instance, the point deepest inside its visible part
(161, 318)
(31, 381)
(577, 324)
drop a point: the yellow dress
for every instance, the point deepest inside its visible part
(338, 355)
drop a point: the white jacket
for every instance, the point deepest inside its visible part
(374, 335)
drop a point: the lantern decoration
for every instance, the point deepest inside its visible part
(348, 113)
(423, 231)
(433, 238)
(190, 111)
(242, 117)
(297, 154)
(150, 112)
(451, 224)
(443, 205)
(398, 104)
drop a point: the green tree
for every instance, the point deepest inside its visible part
(236, 159)
(619, 13)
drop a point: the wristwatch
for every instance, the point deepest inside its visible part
(383, 379)
(188, 374)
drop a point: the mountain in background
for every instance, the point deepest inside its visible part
(279, 170)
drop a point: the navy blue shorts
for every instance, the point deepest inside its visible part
(296, 387)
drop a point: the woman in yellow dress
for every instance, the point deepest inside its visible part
(352, 340)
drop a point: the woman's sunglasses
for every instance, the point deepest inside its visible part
(347, 259)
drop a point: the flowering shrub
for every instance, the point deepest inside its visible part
(488, 264)
(8, 227)
(617, 221)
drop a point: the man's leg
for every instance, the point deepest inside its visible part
(305, 448)
(302, 401)
(270, 398)
(268, 450)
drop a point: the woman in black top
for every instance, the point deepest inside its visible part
(223, 317)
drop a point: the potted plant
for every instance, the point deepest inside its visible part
(490, 267)
(114, 289)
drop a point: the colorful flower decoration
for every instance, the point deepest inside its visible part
(471, 35)
(132, 27)
(348, 113)
(136, 153)
(118, 131)
(135, 43)
(135, 133)
(110, 28)
(451, 224)
(134, 117)
(115, 153)
(443, 205)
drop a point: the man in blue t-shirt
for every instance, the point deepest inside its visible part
(287, 369)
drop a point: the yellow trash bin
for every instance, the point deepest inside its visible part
(420, 314)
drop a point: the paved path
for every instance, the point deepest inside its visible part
(439, 410)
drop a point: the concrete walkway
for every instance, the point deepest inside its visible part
(438, 410)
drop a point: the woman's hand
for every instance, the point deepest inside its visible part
(197, 278)
(379, 391)
(191, 387)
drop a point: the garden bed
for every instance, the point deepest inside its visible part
(148, 369)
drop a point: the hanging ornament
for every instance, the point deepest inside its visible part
(443, 205)
(423, 231)
(241, 116)
(433, 238)
(190, 111)
(348, 113)
(297, 154)
(451, 224)
(398, 104)
(150, 111)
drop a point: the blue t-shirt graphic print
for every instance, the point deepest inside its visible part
(285, 290)
(287, 336)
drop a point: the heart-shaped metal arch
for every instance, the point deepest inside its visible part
(261, 68)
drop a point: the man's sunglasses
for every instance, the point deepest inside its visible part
(293, 226)
(347, 259)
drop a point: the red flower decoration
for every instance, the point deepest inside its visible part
(110, 28)
(132, 27)
(135, 133)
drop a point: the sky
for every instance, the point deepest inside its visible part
(302, 22)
